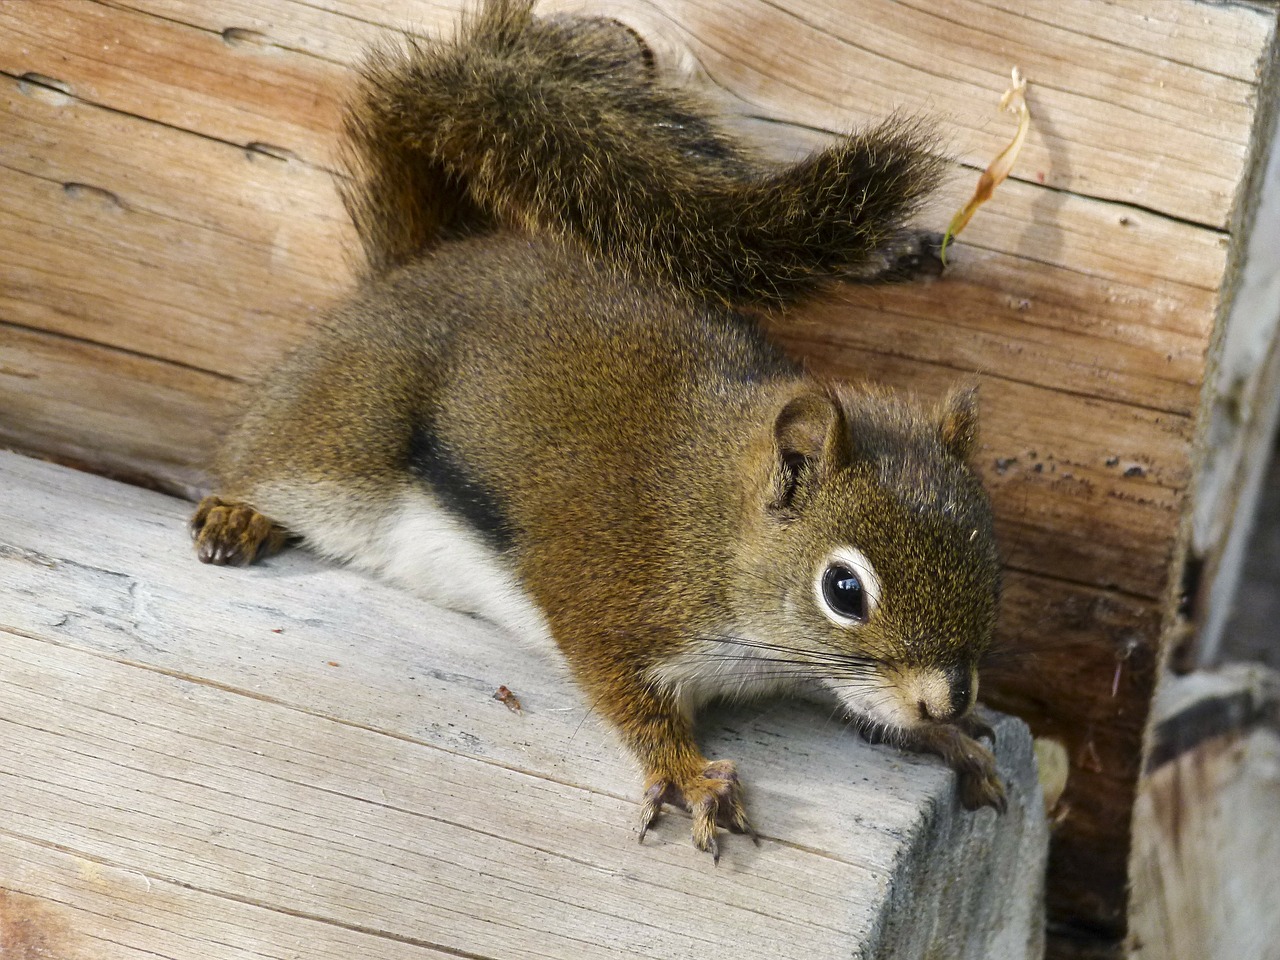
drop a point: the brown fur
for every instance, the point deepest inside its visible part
(563, 131)
(655, 473)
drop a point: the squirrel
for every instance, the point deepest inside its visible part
(549, 403)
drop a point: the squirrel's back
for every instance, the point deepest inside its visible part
(528, 391)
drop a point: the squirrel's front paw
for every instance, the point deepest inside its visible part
(713, 797)
(231, 532)
(975, 766)
(980, 784)
(974, 726)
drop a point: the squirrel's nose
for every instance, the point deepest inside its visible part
(950, 699)
(937, 711)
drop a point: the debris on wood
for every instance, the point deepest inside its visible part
(504, 695)
(1013, 101)
(1054, 766)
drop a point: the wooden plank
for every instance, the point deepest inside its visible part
(1159, 154)
(1204, 36)
(1146, 311)
(1036, 300)
(63, 396)
(227, 793)
(1206, 853)
(232, 89)
(1242, 409)
(67, 906)
(1118, 78)
(1089, 319)
(155, 241)
(284, 739)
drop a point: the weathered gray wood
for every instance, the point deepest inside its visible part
(200, 762)
(1206, 855)
(167, 218)
(1242, 408)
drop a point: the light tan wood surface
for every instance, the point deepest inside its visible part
(294, 760)
(168, 224)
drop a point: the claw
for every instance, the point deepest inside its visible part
(651, 807)
(977, 728)
(231, 532)
(979, 782)
(714, 798)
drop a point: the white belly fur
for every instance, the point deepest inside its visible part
(411, 541)
(715, 670)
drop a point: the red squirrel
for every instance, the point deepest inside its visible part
(547, 402)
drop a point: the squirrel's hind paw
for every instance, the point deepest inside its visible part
(908, 255)
(713, 798)
(231, 532)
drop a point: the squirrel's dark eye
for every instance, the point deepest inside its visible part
(844, 593)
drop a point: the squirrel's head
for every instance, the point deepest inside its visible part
(869, 555)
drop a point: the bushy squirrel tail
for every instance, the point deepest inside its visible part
(558, 125)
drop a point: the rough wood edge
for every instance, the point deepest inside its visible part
(1069, 940)
(1209, 575)
(1204, 863)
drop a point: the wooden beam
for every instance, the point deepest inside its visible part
(65, 397)
(1206, 859)
(167, 197)
(209, 762)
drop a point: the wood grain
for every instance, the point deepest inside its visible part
(1206, 856)
(130, 416)
(168, 224)
(158, 242)
(1120, 81)
(322, 751)
(73, 907)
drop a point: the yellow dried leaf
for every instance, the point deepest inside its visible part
(1013, 101)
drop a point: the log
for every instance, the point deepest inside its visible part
(1241, 410)
(167, 215)
(208, 762)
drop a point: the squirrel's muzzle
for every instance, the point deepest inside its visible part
(943, 695)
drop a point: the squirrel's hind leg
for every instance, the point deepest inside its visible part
(233, 532)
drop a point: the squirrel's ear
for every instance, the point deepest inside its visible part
(811, 441)
(958, 421)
